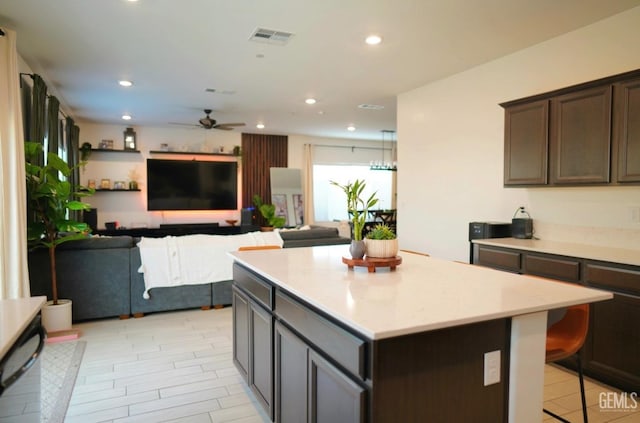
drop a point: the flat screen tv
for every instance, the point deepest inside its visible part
(191, 185)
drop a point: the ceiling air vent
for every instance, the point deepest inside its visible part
(269, 36)
(370, 107)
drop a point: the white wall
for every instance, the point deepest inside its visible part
(450, 147)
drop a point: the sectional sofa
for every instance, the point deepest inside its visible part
(100, 275)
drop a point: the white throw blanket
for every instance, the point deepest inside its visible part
(194, 259)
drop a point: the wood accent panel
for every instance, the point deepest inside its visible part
(437, 376)
(526, 141)
(626, 131)
(557, 268)
(260, 152)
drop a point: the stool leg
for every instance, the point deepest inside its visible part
(582, 396)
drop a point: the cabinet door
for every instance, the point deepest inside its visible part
(581, 137)
(626, 130)
(509, 260)
(333, 396)
(291, 377)
(526, 132)
(261, 356)
(241, 333)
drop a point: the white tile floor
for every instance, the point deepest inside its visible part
(177, 367)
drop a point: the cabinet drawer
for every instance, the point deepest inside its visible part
(552, 267)
(499, 259)
(251, 283)
(342, 346)
(614, 278)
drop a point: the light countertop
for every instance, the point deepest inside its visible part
(15, 316)
(592, 252)
(424, 293)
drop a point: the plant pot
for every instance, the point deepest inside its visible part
(357, 249)
(266, 228)
(382, 248)
(56, 318)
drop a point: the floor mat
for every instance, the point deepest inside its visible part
(60, 364)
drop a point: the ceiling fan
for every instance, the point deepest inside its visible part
(208, 122)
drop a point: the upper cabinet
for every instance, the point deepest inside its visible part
(588, 134)
(626, 130)
(580, 141)
(526, 137)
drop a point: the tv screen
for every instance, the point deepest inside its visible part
(191, 185)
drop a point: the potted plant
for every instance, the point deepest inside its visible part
(268, 212)
(381, 242)
(49, 200)
(358, 209)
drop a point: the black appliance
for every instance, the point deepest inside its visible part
(484, 230)
(522, 226)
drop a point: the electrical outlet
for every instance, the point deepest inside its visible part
(491, 367)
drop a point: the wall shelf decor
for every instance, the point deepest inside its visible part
(108, 150)
(193, 153)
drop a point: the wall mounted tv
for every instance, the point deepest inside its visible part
(191, 185)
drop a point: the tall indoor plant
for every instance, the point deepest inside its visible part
(49, 200)
(358, 209)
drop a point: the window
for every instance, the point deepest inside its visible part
(330, 202)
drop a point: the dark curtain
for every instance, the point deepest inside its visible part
(73, 136)
(53, 108)
(38, 104)
(260, 153)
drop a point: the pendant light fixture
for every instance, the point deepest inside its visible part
(386, 164)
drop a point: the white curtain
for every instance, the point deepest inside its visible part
(307, 188)
(14, 276)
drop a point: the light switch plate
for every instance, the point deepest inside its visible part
(491, 367)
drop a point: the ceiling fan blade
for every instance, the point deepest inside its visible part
(183, 124)
(224, 128)
(231, 124)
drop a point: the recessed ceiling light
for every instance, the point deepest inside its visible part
(310, 101)
(373, 40)
(260, 126)
(126, 117)
(125, 83)
(351, 128)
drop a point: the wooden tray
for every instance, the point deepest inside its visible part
(371, 263)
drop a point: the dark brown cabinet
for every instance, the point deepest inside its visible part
(240, 307)
(580, 141)
(309, 388)
(626, 130)
(588, 134)
(610, 353)
(526, 140)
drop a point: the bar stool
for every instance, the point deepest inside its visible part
(564, 339)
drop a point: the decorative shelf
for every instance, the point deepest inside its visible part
(197, 153)
(117, 190)
(110, 150)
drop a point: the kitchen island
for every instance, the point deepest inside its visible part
(318, 342)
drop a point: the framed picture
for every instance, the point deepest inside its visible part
(298, 208)
(119, 185)
(91, 184)
(280, 201)
(106, 145)
(105, 184)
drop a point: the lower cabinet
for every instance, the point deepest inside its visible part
(309, 388)
(611, 350)
(253, 347)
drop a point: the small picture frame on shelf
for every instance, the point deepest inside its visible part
(119, 185)
(106, 145)
(105, 184)
(91, 184)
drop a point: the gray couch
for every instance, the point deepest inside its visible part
(100, 275)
